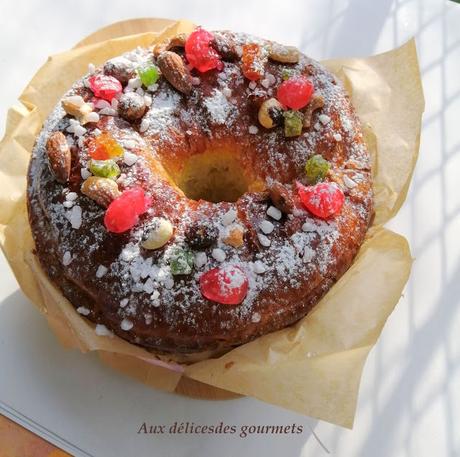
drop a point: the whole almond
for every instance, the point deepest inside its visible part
(102, 190)
(59, 156)
(174, 70)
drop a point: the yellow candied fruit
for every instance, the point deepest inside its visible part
(105, 147)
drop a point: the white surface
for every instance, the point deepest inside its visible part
(100, 411)
(410, 397)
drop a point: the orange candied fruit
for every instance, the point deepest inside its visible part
(252, 63)
(104, 147)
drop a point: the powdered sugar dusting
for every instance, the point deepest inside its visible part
(220, 110)
(281, 252)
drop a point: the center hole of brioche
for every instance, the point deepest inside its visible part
(214, 176)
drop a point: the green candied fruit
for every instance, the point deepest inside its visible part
(181, 262)
(286, 74)
(293, 121)
(316, 168)
(149, 75)
(104, 168)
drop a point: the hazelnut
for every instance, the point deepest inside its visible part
(120, 68)
(225, 47)
(131, 106)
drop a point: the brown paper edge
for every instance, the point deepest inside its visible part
(209, 372)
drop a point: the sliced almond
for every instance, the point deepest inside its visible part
(102, 190)
(59, 156)
(174, 70)
(234, 238)
(76, 106)
(283, 54)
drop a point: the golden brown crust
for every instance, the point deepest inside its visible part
(114, 282)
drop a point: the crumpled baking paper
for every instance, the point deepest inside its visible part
(313, 367)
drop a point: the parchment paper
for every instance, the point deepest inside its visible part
(313, 367)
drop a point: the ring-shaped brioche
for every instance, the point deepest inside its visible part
(213, 172)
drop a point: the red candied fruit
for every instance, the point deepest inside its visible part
(138, 199)
(295, 93)
(227, 285)
(123, 213)
(106, 87)
(252, 64)
(322, 200)
(120, 217)
(199, 52)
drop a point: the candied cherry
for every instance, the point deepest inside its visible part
(123, 213)
(295, 93)
(199, 52)
(138, 199)
(322, 200)
(227, 285)
(105, 87)
(252, 63)
(104, 147)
